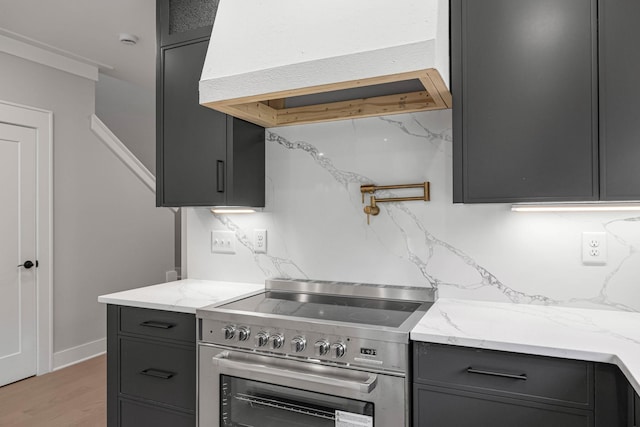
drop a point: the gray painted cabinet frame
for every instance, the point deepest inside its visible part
(544, 100)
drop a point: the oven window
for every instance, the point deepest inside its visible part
(249, 403)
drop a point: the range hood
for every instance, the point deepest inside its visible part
(288, 62)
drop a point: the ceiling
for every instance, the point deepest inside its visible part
(90, 28)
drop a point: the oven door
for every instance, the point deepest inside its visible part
(238, 388)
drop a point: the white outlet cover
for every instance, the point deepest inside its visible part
(594, 248)
(223, 242)
(260, 241)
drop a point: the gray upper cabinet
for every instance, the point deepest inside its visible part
(193, 137)
(619, 61)
(204, 157)
(524, 85)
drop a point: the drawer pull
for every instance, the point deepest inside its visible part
(472, 370)
(156, 324)
(157, 373)
(220, 176)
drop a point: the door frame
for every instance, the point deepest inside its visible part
(42, 121)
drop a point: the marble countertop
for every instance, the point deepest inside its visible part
(571, 333)
(184, 296)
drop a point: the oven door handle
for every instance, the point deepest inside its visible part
(223, 361)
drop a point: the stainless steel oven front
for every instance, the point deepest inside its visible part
(242, 388)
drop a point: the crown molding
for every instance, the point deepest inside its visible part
(33, 50)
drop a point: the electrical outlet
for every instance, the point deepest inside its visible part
(223, 242)
(260, 241)
(594, 248)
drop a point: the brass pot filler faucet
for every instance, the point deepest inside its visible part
(373, 209)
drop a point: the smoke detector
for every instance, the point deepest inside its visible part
(128, 39)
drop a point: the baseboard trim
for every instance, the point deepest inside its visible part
(80, 353)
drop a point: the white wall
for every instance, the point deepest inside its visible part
(316, 227)
(108, 235)
(129, 111)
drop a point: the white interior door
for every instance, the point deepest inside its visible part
(18, 191)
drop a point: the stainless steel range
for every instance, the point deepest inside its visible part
(309, 353)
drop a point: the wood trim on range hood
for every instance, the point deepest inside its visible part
(269, 110)
(364, 80)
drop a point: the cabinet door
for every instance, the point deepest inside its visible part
(192, 149)
(183, 20)
(547, 380)
(634, 408)
(158, 372)
(442, 407)
(138, 414)
(246, 157)
(524, 108)
(619, 94)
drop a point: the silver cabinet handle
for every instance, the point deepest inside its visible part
(223, 361)
(472, 370)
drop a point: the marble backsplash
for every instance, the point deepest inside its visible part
(316, 227)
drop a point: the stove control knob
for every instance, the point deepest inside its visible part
(321, 347)
(276, 341)
(229, 332)
(338, 349)
(298, 344)
(243, 333)
(261, 339)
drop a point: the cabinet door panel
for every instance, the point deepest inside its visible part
(167, 325)
(158, 372)
(246, 161)
(536, 378)
(193, 141)
(619, 94)
(524, 93)
(441, 407)
(634, 409)
(135, 414)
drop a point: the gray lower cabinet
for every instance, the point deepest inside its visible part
(459, 386)
(440, 407)
(151, 368)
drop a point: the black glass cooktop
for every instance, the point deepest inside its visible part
(367, 311)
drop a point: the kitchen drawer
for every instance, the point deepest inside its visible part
(159, 372)
(136, 414)
(443, 407)
(543, 379)
(158, 324)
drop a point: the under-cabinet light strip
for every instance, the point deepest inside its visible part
(231, 210)
(575, 207)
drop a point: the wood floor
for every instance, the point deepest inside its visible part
(73, 396)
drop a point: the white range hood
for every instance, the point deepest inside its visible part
(285, 62)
